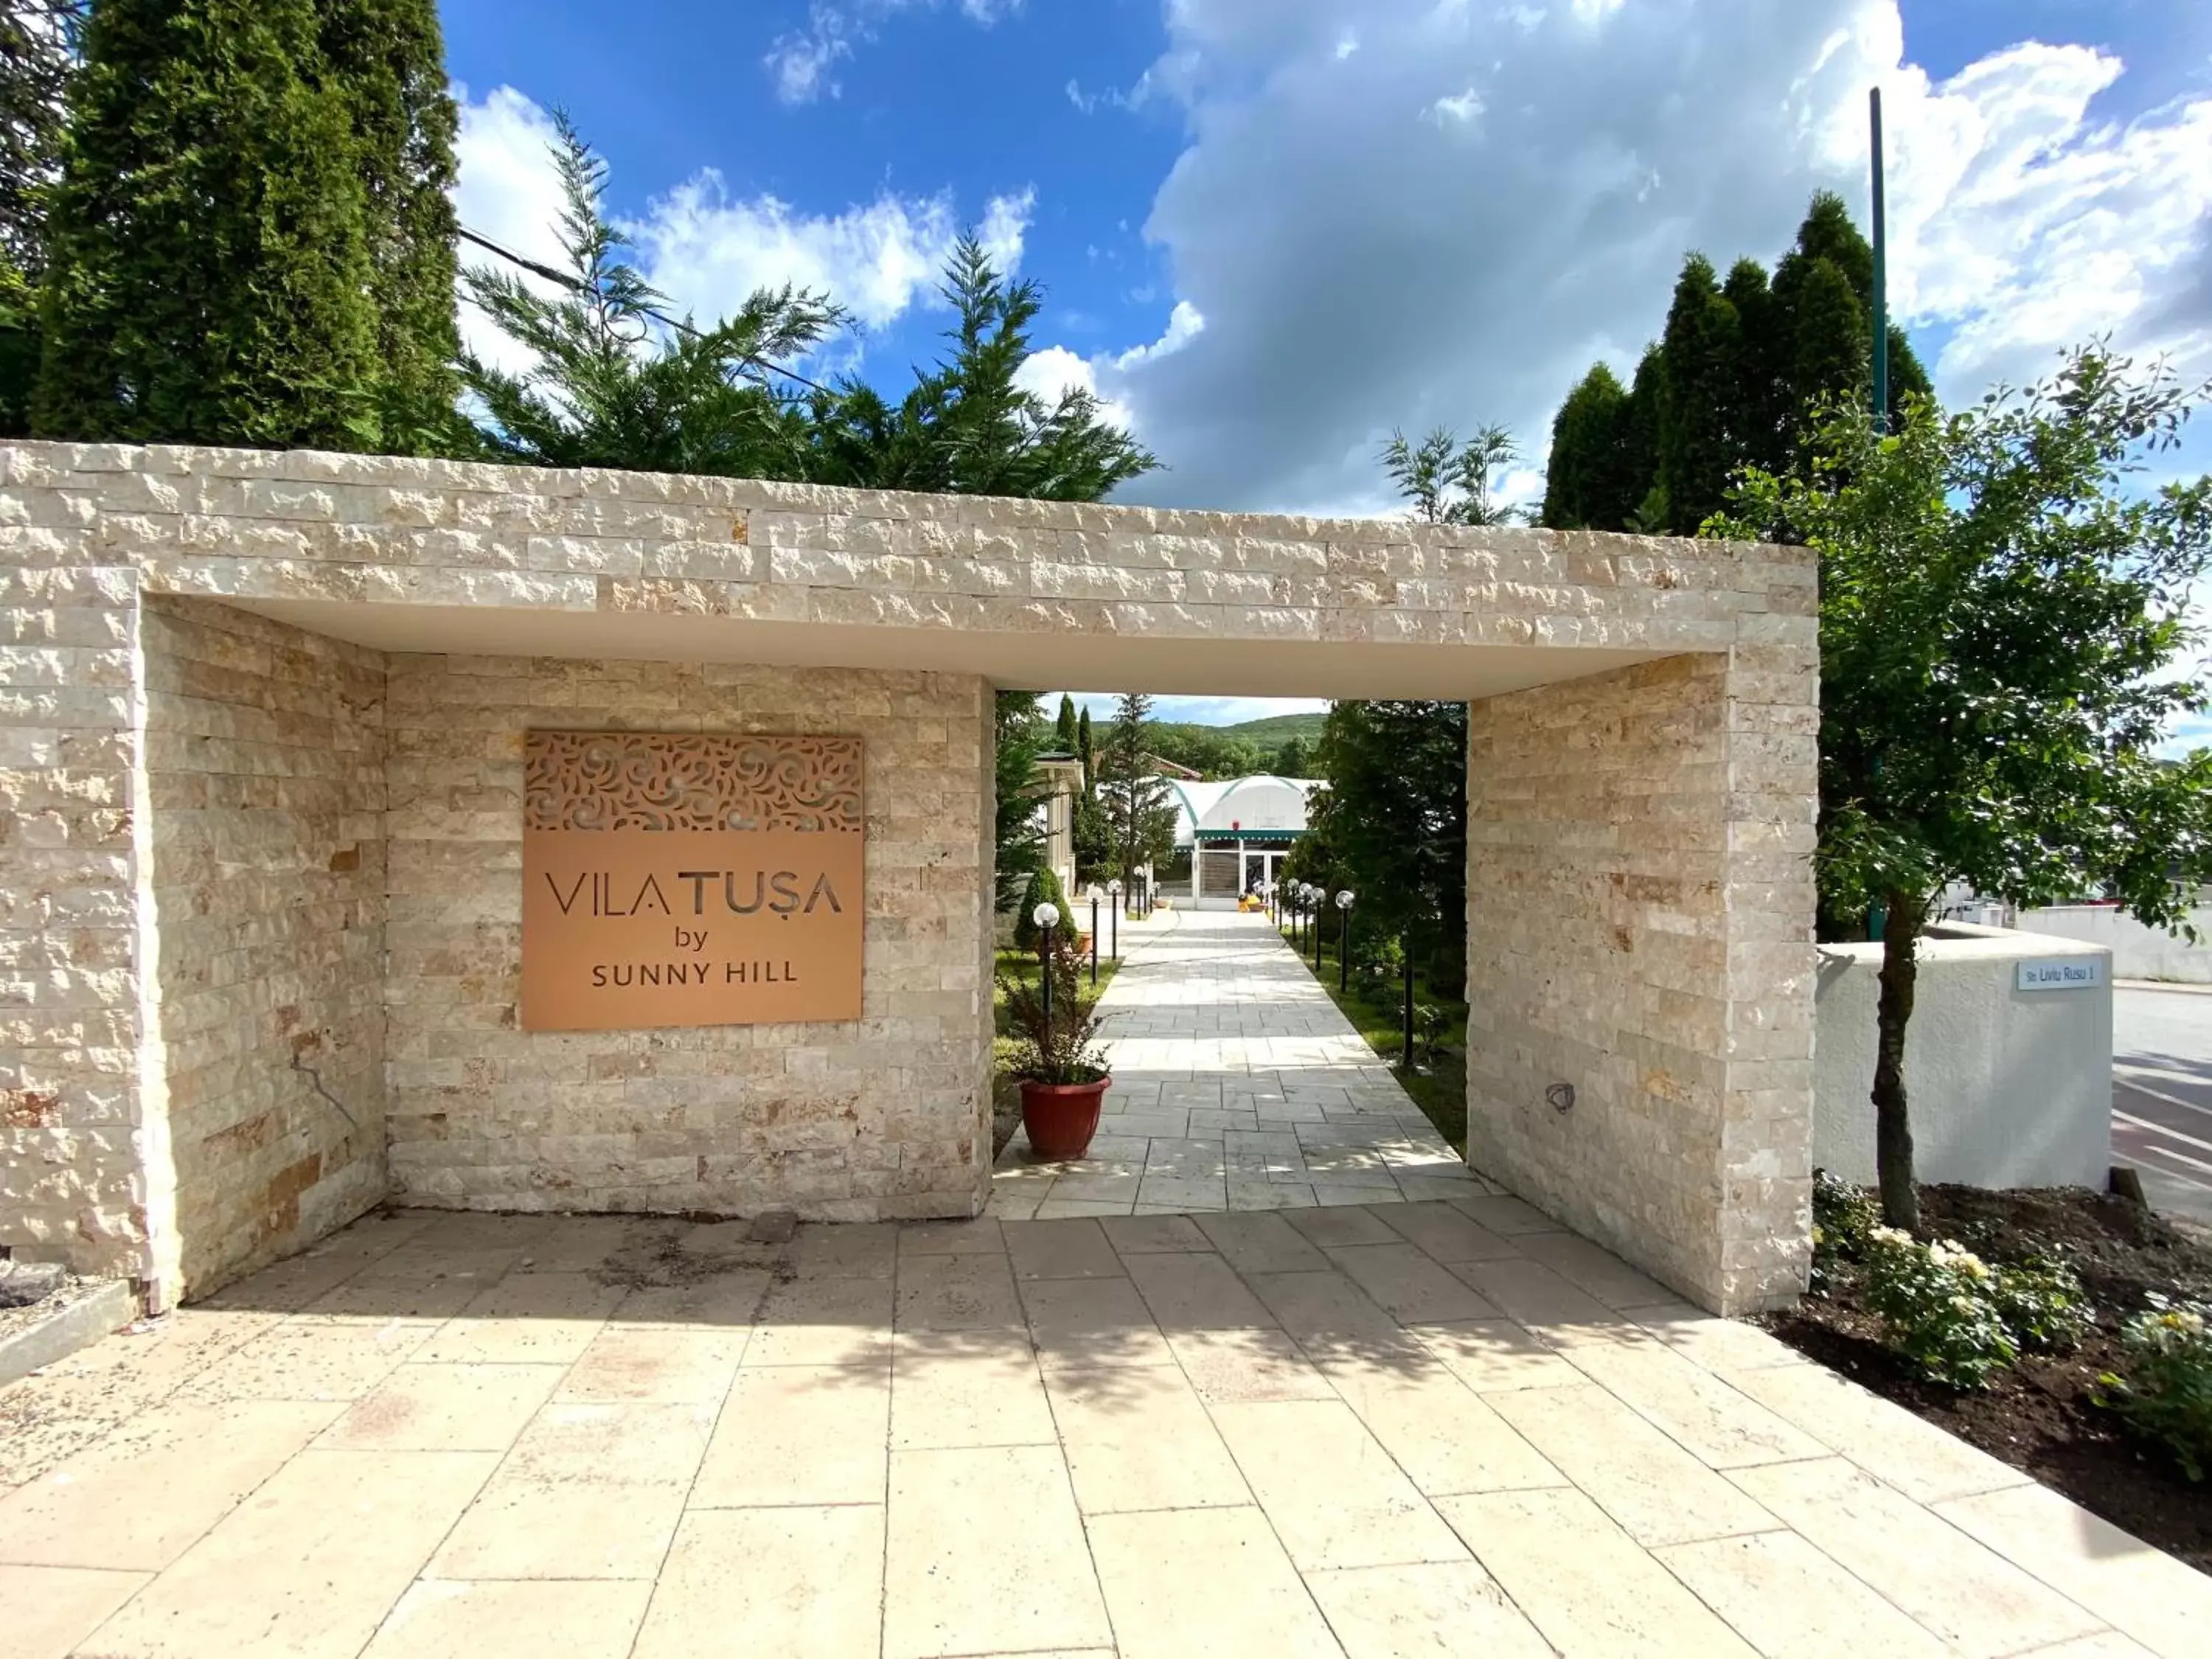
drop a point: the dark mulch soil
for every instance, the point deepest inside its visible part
(2042, 1417)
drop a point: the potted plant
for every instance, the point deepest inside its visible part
(1058, 1061)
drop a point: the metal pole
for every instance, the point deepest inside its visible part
(1044, 967)
(1343, 951)
(1117, 927)
(1406, 944)
(1094, 939)
(1318, 904)
(1880, 272)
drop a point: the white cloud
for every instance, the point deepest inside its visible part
(708, 250)
(1359, 269)
(802, 61)
(1055, 370)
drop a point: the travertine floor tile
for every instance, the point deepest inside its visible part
(1444, 1436)
(526, 1319)
(1409, 1286)
(960, 1522)
(1261, 1244)
(2142, 1592)
(1092, 1321)
(309, 1567)
(1138, 1439)
(1533, 1293)
(865, 1250)
(1504, 1214)
(727, 1303)
(824, 1322)
(521, 1528)
(1061, 1249)
(616, 1444)
(50, 1609)
(1239, 1367)
(977, 1236)
(1722, 1428)
(309, 1360)
(1907, 1452)
(966, 1388)
(1333, 1226)
(1717, 1344)
(445, 1408)
(957, 1294)
(1445, 1231)
(1659, 1493)
(1188, 1581)
(1588, 1587)
(1435, 1609)
(1335, 1496)
(777, 1581)
(680, 1366)
(139, 1499)
(1492, 1355)
(1189, 1292)
(1596, 1270)
(580, 1620)
(1786, 1598)
(1979, 1603)
(799, 1434)
(1149, 1234)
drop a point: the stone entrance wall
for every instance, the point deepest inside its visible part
(886, 1119)
(170, 770)
(1639, 909)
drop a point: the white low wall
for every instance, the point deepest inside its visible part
(2138, 951)
(2008, 1087)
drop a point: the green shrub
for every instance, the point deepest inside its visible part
(1843, 1216)
(1938, 1307)
(2044, 1306)
(1043, 889)
(2166, 1395)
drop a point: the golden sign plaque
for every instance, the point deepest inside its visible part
(670, 878)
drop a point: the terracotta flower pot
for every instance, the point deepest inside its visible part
(1061, 1117)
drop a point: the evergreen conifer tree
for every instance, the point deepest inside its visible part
(209, 275)
(1064, 729)
(1588, 486)
(388, 58)
(1701, 392)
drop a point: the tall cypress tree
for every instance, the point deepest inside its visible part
(209, 273)
(1064, 728)
(1702, 391)
(1584, 487)
(388, 59)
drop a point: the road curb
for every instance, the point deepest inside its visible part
(62, 1333)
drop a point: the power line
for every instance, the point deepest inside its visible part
(576, 286)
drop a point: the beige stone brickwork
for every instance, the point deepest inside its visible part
(887, 1118)
(1639, 930)
(265, 763)
(1639, 908)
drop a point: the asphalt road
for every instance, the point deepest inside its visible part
(2162, 1094)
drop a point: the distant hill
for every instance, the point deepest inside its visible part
(1280, 728)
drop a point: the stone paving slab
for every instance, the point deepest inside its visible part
(1239, 1085)
(1226, 1434)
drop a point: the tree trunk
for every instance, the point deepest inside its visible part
(1892, 1128)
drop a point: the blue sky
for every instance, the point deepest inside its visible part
(1272, 230)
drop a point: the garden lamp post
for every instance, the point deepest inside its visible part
(1291, 909)
(1094, 933)
(1047, 917)
(1344, 941)
(1406, 944)
(1321, 909)
(1114, 892)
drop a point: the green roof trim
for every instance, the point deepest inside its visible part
(1254, 834)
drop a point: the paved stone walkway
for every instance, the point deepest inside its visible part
(1423, 1427)
(1238, 1086)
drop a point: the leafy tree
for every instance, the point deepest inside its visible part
(1020, 732)
(1292, 759)
(1394, 822)
(967, 428)
(2002, 609)
(1064, 732)
(209, 274)
(1094, 838)
(388, 59)
(1139, 806)
(609, 384)
(1451, 483)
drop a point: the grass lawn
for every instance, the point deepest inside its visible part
(1438, 1085)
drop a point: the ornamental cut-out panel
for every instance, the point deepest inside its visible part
(680, 879)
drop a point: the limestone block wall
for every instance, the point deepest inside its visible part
(82, 1121)
(264, 768)
(1639, 929)
(886, 1119)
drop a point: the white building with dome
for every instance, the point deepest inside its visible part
(1237, 831)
